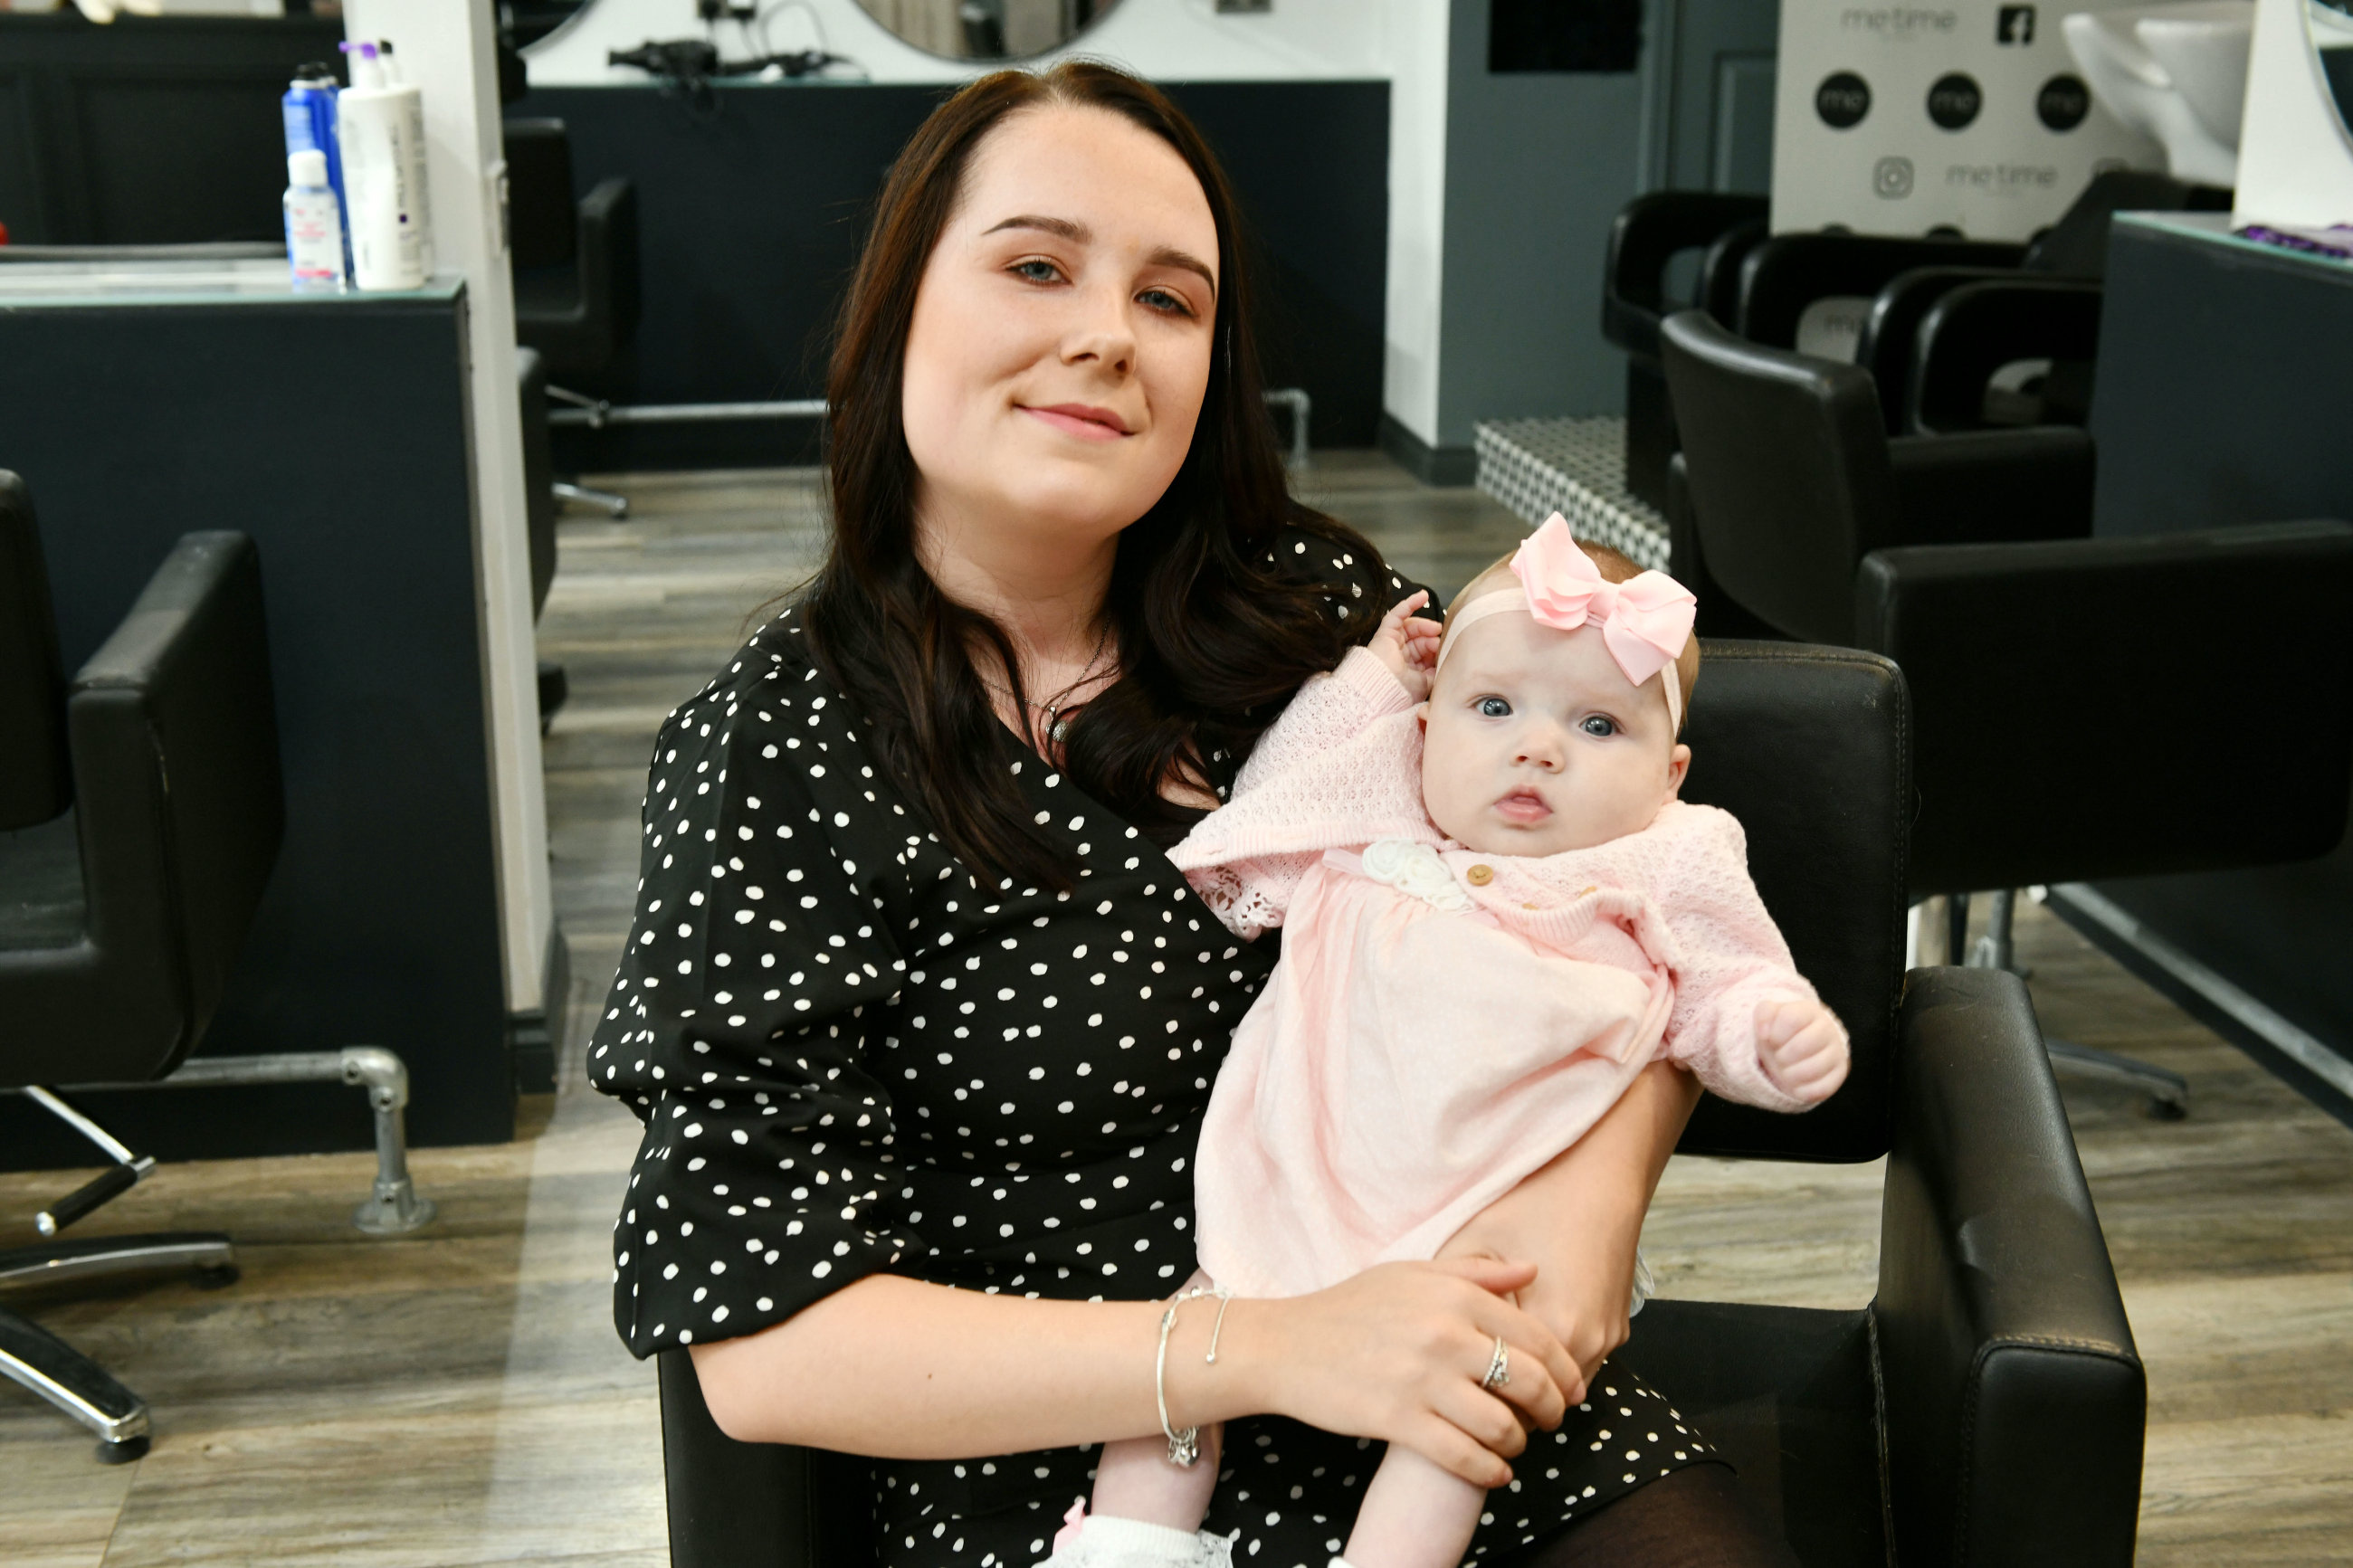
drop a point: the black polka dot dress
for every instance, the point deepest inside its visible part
(850, 1059)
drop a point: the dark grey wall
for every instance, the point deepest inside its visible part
(1537, 164)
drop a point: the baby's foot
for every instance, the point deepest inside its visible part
(1101, 1541)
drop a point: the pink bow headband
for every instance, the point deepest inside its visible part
(1645, 621)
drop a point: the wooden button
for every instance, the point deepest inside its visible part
(1528, 906)
(1479, 876)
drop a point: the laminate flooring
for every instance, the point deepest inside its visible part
(457, 1397)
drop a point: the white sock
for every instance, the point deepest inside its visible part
(1105, 1541)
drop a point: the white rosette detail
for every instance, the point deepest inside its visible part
(1415, 869)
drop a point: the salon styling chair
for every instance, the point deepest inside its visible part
(540, 503)
(2057, 680)
(1646, 237)
(140, 813)
(1986, 1408)
(575, 270)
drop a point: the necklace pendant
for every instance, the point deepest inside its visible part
(1056, 726)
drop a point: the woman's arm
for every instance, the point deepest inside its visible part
(898, 1369)
(1578, 1219)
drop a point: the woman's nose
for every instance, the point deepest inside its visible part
(1104, 336)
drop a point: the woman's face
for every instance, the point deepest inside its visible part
(1061, 343)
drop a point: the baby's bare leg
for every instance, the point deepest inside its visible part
(1416, 1515)
(1134, 1479)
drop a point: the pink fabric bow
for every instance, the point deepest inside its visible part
(1645, 621)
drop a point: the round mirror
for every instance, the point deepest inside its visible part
(2332, 37)
(988, 29)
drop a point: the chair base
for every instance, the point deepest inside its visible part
(618, 506)
(37, 1359)
(2169, 1093)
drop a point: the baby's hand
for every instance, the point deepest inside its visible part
(1801, 1047)
(1407, 645)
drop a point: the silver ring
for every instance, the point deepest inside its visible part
(1499, 1367)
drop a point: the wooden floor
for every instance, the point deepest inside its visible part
(458, 1398)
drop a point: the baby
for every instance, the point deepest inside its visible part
(1479, 824)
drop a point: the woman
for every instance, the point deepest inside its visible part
(920, 1019)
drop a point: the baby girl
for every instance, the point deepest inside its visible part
(1481, 825)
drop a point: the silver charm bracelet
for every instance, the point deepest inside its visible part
(1185, 1446)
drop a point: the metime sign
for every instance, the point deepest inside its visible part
(1969, 116)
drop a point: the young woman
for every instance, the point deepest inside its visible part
(921, 1020)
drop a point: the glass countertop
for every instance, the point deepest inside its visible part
(195, 281)
(2215, 228)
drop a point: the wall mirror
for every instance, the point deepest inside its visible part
(2331, 22)
(988, 29)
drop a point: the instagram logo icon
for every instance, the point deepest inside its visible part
(1891, 178)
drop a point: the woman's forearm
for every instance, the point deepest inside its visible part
(898, 1369)
(1603, 1184)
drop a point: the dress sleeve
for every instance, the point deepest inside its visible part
(1337, 770)
(759, 963)
(1732, 956)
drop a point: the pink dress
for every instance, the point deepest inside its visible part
(1442, 1023)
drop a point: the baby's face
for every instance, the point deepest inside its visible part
(1536, 743)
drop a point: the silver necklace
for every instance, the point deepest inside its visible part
(1057, 725)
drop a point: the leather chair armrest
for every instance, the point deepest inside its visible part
(2014, 1399)
(609, 258)
(1989, 487)
(1884, 349)
(173, 728)
(2052, 682)
(1647, 233)
(756, 1504)
(1975, 329)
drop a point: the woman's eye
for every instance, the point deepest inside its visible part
(1163, 300)
(1597, 725)
(1038, 271)
(1493, 707)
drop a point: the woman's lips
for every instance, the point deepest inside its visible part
(1523, 805)
(1079, 419)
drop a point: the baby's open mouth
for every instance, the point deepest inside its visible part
(1523, 805)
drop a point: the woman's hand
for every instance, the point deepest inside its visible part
(1397, 1353)
(1407, 645)
(1579, 1218)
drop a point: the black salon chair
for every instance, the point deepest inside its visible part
(2055, 677)
(1986, 1408)
(1936, 336)
(575, 270)
(1645, 239)
(540, 502)
(139, 816)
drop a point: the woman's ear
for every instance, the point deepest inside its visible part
(1678, 765)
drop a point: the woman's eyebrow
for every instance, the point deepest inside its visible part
(1079, 234)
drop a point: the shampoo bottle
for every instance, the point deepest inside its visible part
(381, 128)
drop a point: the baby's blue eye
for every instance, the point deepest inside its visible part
(1493, 707)
(1597, 725)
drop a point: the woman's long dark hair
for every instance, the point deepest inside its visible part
(1211, 640)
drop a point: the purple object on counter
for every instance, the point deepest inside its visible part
(2335, 242)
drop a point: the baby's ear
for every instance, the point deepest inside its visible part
(1678, 765)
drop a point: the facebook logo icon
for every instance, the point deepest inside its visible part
(2014, 25)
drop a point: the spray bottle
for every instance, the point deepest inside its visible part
(314, 227)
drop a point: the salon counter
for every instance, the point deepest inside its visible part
(2225, 396)
(139, 405)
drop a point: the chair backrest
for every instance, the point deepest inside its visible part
(1783, 275)
(35, 783)
(1811, 748)
(2077, 245)
(1786, 458)
(543, 215)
